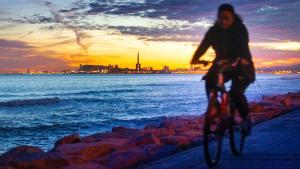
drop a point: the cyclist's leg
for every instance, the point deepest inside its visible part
(237, 91)
(209, 85)
(211, 80)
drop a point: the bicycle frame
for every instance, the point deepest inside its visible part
(221, 95)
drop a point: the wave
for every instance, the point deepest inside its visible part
(67, 126)
(94, 100)
(8, 95)
(292, 77)
(29, 102)
(94, 92)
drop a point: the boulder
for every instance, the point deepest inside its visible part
(123, 129)
(86, 166)
(117, 132)
(287, 102)
(257, 118)
(6, 167)
(19, 152)
(82, 152)
(159, 132)
(256, 108)
(155, 152)
(39, 161)
(124, 159)
(148, 138)
(73, 138)
(180, 141)
(192, 134)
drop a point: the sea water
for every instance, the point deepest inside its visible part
(38, 109)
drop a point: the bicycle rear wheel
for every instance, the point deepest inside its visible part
(212, 138)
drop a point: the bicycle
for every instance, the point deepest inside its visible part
(222, 118)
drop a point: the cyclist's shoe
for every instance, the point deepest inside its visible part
(247, 126)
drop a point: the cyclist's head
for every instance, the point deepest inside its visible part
(226, 16)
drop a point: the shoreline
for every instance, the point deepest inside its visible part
(127, 147)
(265, 73)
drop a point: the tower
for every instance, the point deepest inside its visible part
(138, 65)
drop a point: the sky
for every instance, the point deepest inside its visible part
(55, 35)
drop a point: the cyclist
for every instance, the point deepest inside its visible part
(229, 38)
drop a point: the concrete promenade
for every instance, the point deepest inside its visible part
(274, 144)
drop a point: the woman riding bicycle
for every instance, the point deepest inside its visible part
(229, 38)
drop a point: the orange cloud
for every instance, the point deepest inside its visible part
(259, 62)
(289, 45)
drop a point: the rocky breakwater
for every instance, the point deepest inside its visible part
(126, 147)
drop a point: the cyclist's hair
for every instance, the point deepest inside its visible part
(228, 7)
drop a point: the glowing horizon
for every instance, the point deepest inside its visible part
(55, 35)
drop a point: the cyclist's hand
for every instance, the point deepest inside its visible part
(194, 61)
(244, 62)
(204, 63)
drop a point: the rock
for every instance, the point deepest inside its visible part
(82, 152)
(19, 152)
(122, 129)
(159, 132)
(39, 161)
(86, 166)
(192, 134)
(73, 138)
(256, 108)
(273, 113)
(151, 126)
(258, 118)
(180, 141)
(6, 167)
(287, 102)
(148, 138)
(155, 152)
(119, 132)
(124, 159)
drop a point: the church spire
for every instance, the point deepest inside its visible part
(138, 57)
(138, 65)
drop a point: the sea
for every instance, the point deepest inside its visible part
(37, 110)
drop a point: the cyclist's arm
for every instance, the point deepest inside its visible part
(204, 45)
(243, 46)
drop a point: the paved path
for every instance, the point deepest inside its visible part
(274, 144)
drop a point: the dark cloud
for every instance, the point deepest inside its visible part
(190, 10)
(75, 6)
(282, 18)
(266, 19)
(162, 34)
(34, 19)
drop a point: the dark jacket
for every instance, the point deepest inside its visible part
(229, 44)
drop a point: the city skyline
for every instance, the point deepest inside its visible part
(55, 35)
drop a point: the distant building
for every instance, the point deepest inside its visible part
(138, 65)
(92, 69)
(28, 71)
(148, 68)
(165, 70)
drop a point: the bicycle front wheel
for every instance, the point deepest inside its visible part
(212, 139)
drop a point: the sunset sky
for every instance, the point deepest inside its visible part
(61, 34)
